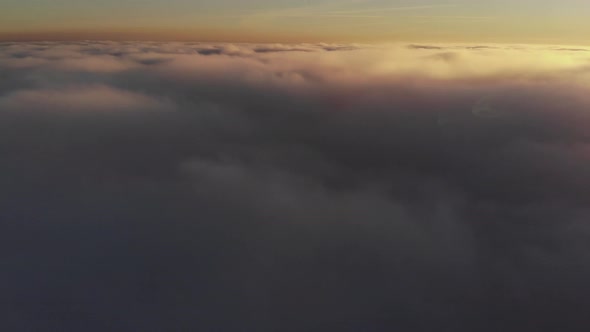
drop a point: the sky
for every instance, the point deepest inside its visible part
(523, 21)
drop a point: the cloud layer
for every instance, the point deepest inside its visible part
(218, 187)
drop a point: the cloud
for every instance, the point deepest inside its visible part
(312, 187)
(78, 99)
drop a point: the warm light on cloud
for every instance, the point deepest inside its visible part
(79, 100)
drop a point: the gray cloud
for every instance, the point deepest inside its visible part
(179, 186)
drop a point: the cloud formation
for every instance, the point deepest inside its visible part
(218, 187)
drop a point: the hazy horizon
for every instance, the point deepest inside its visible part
(503, 21)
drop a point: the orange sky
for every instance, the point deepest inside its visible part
(520, 21)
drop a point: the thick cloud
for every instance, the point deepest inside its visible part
(203, 187)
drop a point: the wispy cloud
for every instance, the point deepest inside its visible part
(322, 15)
(393, 9)
(334, 10)
(455, 18)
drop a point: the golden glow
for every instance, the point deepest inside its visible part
(503, 21)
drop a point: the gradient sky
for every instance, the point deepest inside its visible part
(526, 21)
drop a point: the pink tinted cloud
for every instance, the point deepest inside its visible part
(81, 99)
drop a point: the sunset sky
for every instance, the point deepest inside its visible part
(295, 165)
(523, 21)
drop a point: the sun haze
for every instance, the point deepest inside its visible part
(524, 21)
